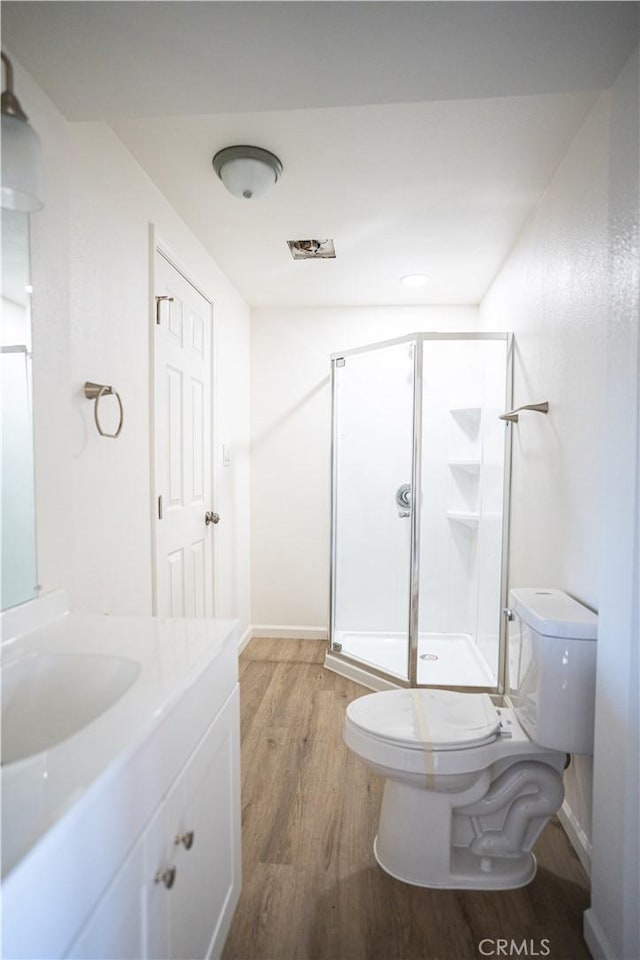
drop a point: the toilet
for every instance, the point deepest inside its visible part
(470, 785)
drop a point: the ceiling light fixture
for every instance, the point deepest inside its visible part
(247, 171)
(21, 152)
(415, 280)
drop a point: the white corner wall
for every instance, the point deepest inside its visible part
(290, 445)
(612, 925)
(552, 293)
(570, 292)
(91, 255)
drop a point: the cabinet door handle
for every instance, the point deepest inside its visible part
(186, 839)
(166, 876)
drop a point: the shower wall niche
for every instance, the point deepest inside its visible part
(418, 582)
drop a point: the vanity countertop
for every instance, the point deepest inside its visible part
(43, 795)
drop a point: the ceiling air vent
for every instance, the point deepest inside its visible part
(312, 249)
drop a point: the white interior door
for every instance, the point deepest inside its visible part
(185, 521)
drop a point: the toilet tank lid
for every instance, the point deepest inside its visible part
(553, 613)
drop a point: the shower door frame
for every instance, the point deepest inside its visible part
(359, 667)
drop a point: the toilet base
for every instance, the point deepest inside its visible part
(476, 839)
(519, 873)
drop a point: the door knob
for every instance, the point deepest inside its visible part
(186, 839)
(211, 517)
(166, 876)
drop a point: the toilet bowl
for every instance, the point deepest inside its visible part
(470, 785)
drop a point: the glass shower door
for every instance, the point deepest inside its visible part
(372, 461)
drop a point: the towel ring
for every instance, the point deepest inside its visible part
(95, 392)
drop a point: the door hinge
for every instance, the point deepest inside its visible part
(159, 300)
(160, 507)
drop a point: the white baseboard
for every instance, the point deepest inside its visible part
(577, 837)
(596, 938)
(288, 633)
(244, 639)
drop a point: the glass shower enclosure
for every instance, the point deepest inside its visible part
(420, 471)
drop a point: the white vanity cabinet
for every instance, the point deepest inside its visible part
(122, 841)
(117, 926)
(204, 826)
(175, 894)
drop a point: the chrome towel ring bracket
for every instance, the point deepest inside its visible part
(95, 392)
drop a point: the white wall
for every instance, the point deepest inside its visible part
(91, 257)
(552, 292)
(290, 429)
(113, 203)
(612, 925)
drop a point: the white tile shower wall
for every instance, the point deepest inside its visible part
(551, 292)
(451, 390)
(462, 490)
(290, 423)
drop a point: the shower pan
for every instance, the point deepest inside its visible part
(420, 471)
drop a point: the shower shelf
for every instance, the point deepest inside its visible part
(470, 518)
(469, 466)
(460, 516)
(468, 418)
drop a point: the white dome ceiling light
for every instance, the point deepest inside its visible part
(247, 171)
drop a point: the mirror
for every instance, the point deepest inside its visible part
(18, 557)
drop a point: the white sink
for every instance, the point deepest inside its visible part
(47, 697)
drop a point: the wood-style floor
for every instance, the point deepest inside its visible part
(311, 887)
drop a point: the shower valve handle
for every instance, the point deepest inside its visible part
(403, 498)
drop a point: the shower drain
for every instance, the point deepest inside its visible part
(428, 656)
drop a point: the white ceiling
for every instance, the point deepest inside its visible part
(418, 135)
(439, 188)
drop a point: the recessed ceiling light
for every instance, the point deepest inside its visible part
(415, 280)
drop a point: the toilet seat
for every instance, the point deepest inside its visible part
(431, 720)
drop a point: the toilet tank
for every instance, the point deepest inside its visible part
(552, 668)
